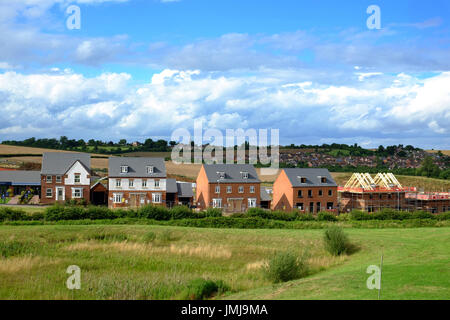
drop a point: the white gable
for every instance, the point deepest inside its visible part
(77, 167)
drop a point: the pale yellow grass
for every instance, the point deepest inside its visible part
(203, 251)
(18, 264)
(5, 149)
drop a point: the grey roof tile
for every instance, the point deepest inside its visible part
(60, 162)
(137, 167)
(16, 177)
(312, 176)
(185, 189)
(232, 173)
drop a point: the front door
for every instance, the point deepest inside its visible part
(134, 201)
(235, 205)
(60, 196)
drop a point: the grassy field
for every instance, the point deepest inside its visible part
(124, 262)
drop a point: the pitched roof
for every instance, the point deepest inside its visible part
(185, 189)
(60, 162)
(171, 186)
(232, 173)
(265, 196)
(313, 177)
(21, 178)
(137, 167)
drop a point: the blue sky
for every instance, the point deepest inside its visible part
(312, 69)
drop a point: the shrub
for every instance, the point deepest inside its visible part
(200, 289)
(11, 214)
(212, 212)
(336, 241)
(305, 216)
(360, 215)
(285, 266)
(326, 216)
(154, 212)
(181, 212)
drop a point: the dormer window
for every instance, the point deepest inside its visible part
(302, 179)
(244, 175)
(123, 169)
(323, 179)
(221, 175)
(150, 169)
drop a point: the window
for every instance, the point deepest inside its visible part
(310, 193)
(330, 205)
(302, 179)
(144, 183)
(241, 189)
(300, 206)
(311, 207)
(221, 175)
(131, 183)
(252, 189)
(150, 169)
(77, 193)
(299, 194)
(118, 183)
(123, 169)
(49, 179)
(117, 197)
(217, 203)
(330, 192)
(320, 193)
(381, 196)
(252, 203)
(323, 180)
(58, 179)
(244, 175)
(217, 189)
(318, 206)
(49, 192)
(77, 178)
(229, 189)
(156, 197)
(156, 183)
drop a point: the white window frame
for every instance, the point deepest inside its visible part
(123, 169)
(252, 189)
(252, 202)
(48, 179)
(118, 183)
(217, 189)
(74, 190)
(144, 183)
(51, 193)
(156, 183)
(58, 179)
(156, 197)
(131, 183)
(150, 169)
(117, 197)
(77, 176)
(217, 203)
(241, 189)
(244, 175)
(229, 189)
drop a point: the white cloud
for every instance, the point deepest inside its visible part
(402, 107)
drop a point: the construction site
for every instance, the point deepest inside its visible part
(363, 192)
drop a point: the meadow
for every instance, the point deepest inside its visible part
(159, 262)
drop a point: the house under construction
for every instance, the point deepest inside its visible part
(362, 192)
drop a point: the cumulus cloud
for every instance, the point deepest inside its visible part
(401, 108)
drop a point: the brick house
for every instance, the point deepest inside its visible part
(65, 176)
(231, 187)
(136, 181)
(308, 190)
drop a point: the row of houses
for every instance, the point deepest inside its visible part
(138, 181)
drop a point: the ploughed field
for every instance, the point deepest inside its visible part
(158, 262)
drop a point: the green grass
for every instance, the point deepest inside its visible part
(119, 262)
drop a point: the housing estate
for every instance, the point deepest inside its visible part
(230, 187)
(308, 190)
(65, 176)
